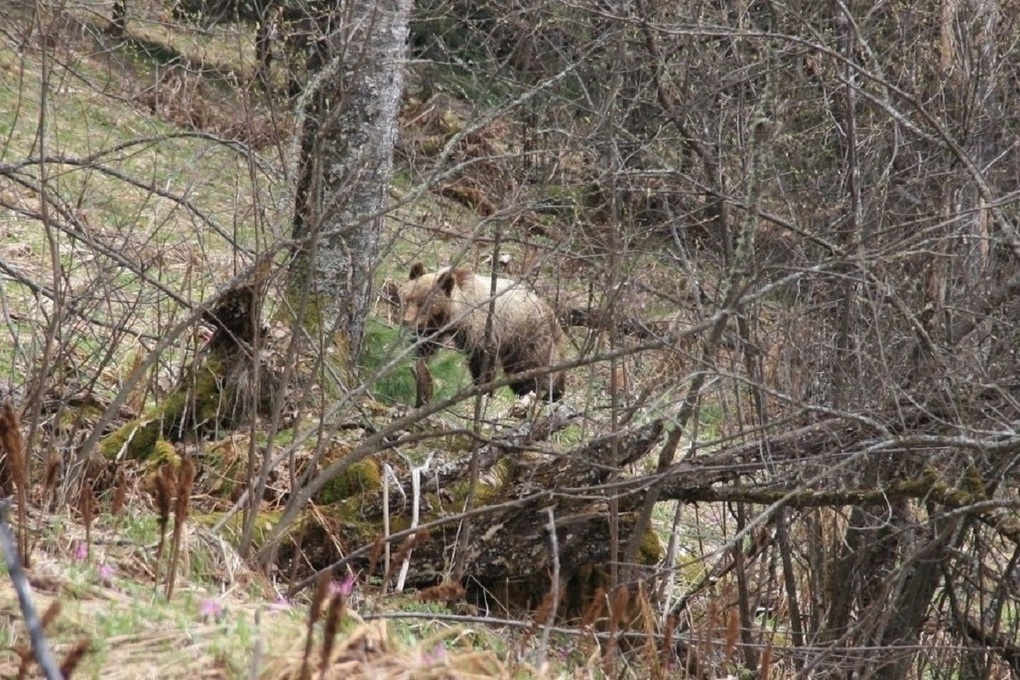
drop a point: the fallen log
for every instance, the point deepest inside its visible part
(509, 555)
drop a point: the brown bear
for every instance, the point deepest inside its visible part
(453, 304)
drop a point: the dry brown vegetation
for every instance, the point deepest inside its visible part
(784, 240)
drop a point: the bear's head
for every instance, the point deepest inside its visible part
(424, 299)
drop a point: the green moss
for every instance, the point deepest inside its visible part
(503, 470)
(203, 400)
(233, 527)
(488, 490)
(135, 440)
(572, 435)
(361, 477)
(567, 201)
(651, 548)
(70, 419)
(459, 443)
(973, 482)
(164, 452)
(201, 403)
(318, 316)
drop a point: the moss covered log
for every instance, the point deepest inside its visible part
(510, 552)
(215, 391)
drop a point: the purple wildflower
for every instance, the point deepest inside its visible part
(81, 551)
(281, 605)
(210, 608)
(436, 656)
(345, 587)
(106, 573)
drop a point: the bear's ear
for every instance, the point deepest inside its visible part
(417, 269)
(391, 292)
(445, 282)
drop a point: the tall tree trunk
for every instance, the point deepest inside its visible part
(346, 160)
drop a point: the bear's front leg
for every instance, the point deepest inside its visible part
(483, 368)
(422, 383)
(427, 345)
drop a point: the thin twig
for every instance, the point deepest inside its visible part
(49, 665)
(554, 597)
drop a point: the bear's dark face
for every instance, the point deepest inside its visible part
(425, 300)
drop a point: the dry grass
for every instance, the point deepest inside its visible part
(223, 622)
(134, 632)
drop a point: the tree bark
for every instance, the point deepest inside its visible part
(346, 161)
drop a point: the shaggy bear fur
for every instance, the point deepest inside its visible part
(454, 304)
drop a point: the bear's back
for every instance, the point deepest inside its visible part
(519, 313)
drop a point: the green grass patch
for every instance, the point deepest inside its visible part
(384, 343)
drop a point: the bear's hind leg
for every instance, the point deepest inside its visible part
(513, 363)
(548, 386)
(558, 380)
